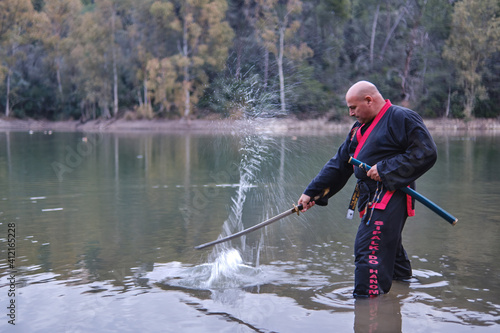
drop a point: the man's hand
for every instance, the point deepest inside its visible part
(373, 174)
(305, 201)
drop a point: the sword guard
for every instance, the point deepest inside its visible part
(297, 209)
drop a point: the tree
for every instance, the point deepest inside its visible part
(323, 26)
(240, 16)
(416, 43)
(475, 36)
(60, 58)
(202, 36)
(61, 15)
(94, 55)
(109, 21)
(278, 25)
(89, 60)
(19, 24)
(143, 40)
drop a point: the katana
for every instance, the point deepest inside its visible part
(295, 209)
(414, 194)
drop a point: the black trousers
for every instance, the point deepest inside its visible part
(379, 253)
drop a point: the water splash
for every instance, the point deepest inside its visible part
(246, 97)
(226, 267)
(254, 152)
(227, 271)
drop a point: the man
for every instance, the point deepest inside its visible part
(395, 141)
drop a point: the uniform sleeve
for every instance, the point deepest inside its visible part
(419, 152)
(334, 175)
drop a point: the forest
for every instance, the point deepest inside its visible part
(173, 59)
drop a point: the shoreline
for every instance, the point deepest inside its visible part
(283, 126)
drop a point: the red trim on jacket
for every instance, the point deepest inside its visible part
(363, 137)
(385, 200)
(380, 205)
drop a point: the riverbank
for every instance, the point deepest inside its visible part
(268, 126)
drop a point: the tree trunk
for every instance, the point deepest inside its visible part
(406, 74)
(58, 74)
(280, 69)
(115, 72)
(145, 86)
(7, 109)
(139, 98)
(414, 41)
(185, 83)
(186, 93)
(105, 111)
(424, 73)
(115, 88)
(470, 96)
(391, 32)
(374, 29)
(447, 114)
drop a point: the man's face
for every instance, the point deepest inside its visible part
(360, 108)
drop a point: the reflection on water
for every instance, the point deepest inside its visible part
(106, 226)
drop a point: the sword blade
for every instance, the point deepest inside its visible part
(253, 228)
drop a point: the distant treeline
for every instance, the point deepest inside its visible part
(85, 59)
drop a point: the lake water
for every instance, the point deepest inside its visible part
(106, 224)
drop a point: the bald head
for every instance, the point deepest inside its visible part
(364, 101)
(363, 88)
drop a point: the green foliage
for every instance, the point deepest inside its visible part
(488, 107)
(203, 36)
(63, 59)
(326, 8)
(475, 37)
(457, 101)
(308, 96)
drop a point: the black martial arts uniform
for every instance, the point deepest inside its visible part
(401, 146)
